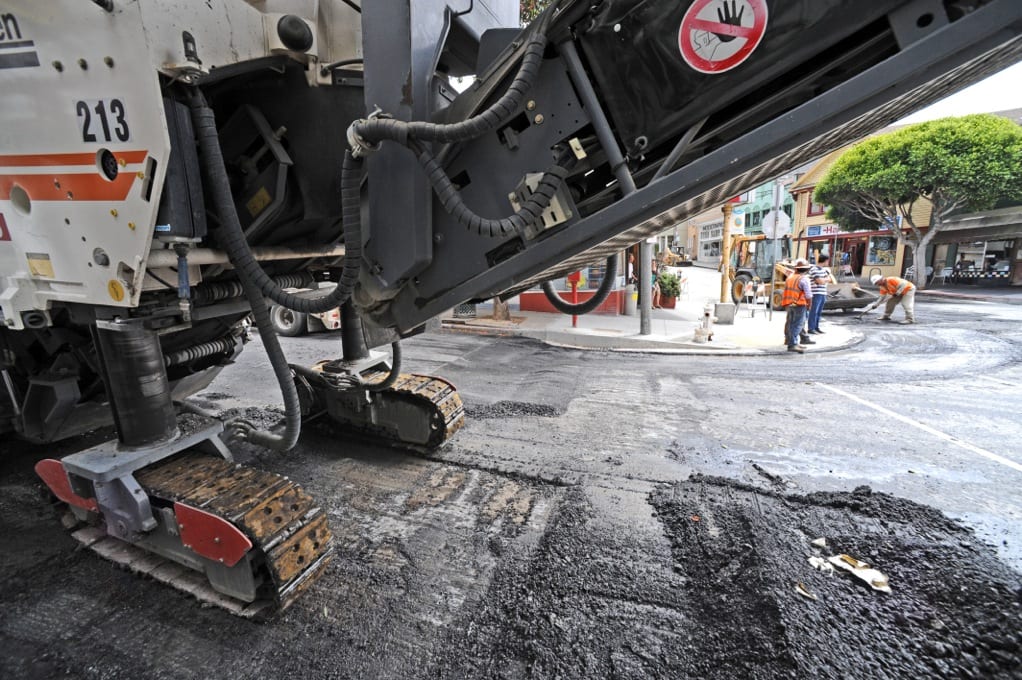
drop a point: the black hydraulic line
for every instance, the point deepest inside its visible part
(395, 370)
(244, 430)
(530, 211)
(245, 265)
(223, 345)
(233, 237)
(375, 130)
(605, 135)
(226, 290)
(672, 158)
(325, 69)
(598, 298)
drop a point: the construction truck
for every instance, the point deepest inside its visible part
(170, 167)
(751, 267)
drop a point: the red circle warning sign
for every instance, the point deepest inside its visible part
(717, 35)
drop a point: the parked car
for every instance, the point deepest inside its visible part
(292, 324)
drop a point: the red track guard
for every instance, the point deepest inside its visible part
(53, 473)
(210, 536)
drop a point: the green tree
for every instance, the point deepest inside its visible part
(530, 9)
(966, 163)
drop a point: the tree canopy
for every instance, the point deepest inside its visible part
(953, 164)
(530, 9)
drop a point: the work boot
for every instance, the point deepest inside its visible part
(807, 341)
(885, 318)
(907, 322)
(796, 348)
(819, 332)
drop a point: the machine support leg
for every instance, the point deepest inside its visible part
(136, 382)
(352, 340)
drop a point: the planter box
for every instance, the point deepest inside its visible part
(667, 302)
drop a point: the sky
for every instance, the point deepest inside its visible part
(999, 92)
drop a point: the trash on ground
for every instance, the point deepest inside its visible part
(804, 592)
(819, 542)
(822, 564)
(861, 570)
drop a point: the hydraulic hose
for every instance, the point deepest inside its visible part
(216, 177)
(349, 381)
(242, 429)
(530, 211)
(395, 370)
(372, 131)
(607, 285)
(233, 237)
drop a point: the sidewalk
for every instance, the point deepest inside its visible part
(672, 330)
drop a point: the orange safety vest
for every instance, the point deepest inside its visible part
(793, 293)
(891, 284)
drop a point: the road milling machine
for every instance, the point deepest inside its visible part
(171, 167)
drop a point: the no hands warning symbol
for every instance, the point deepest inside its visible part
(717, 35)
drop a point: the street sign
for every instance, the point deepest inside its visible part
(716, 38)
(776, 224)
(738, 221)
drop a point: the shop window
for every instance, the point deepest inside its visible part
(882, 250)
(815, 208)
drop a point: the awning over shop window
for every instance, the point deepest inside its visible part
(989, 225)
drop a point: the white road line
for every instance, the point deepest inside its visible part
(998, 381)
(926, 428)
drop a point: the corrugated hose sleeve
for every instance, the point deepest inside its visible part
(529, 213)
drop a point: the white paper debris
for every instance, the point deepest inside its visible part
(861, 570)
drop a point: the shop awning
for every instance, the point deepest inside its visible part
(988, 225)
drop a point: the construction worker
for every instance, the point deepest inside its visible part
(798, 295)
(893, 291)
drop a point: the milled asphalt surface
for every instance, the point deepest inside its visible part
(603, 514)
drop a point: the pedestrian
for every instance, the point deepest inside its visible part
(893, 291)
(819, 276)
(655, 284)
(796, 300)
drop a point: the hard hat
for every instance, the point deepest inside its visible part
(802, 263)
(873, 279)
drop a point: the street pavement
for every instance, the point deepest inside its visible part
(756, 330)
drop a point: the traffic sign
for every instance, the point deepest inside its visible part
(714, 38)
(776, 224)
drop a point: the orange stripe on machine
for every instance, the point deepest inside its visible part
(68, 186)
(87, 158)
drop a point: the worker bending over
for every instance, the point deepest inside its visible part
(894, 290)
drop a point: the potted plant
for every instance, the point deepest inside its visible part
(670, 287)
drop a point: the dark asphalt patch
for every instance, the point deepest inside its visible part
(953, 612)
(510, 409)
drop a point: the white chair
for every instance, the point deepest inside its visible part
(943, 276)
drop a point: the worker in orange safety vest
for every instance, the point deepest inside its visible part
(894, 291)
(798, 294)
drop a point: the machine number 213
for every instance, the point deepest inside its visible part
(102, 120)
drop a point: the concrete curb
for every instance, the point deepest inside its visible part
(948, 295)
(605, 343)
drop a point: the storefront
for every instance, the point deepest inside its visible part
(981, 248)
(709, 240)
(852, 253)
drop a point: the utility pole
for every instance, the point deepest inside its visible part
(725, 254)
(645, 287)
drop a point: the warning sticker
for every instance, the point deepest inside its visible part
(39, 265)
(718, 35)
